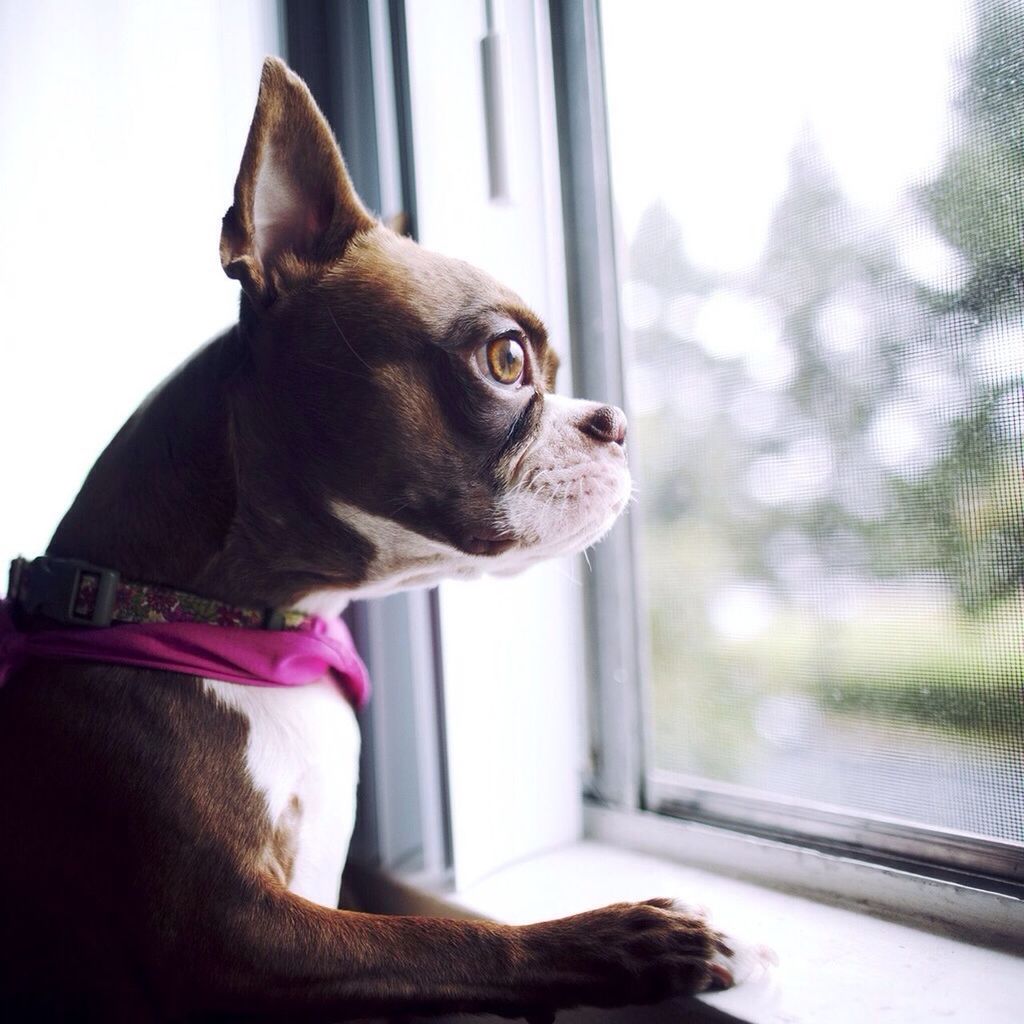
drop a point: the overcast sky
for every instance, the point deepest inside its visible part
(706, 101)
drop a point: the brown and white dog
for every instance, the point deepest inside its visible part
(381, 417)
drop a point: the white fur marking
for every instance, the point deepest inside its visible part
(304, 742)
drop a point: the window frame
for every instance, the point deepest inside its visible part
(624, 781)
(353, 56)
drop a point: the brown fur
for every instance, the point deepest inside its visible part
(282, 845)
(144, 880)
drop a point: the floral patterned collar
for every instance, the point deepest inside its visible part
(76, 593)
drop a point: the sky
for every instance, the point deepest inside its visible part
(706, 101)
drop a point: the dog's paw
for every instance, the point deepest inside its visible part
(734, 961)
(631, 953)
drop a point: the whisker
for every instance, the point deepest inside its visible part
(332, 368)
(341, 334)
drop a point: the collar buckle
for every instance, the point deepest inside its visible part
(273, 619)
(14, 578)
(53, 587)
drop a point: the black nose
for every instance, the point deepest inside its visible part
(606, 423)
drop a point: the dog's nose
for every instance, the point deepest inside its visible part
(606, 423)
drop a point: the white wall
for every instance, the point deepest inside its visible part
(121, 129)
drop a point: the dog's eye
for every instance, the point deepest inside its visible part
(505, 360)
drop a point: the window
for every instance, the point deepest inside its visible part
(819, 274)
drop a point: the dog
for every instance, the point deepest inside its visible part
(381, 417)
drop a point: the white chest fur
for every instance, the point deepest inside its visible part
(304, 743)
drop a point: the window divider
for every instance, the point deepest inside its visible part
(615, 669)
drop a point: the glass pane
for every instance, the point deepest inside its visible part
(821, 211)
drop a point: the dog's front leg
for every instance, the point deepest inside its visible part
(305, 962)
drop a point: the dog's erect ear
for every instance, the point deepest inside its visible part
(295, 208)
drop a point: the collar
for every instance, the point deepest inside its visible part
(95, 615)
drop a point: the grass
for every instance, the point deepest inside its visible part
(898, 654)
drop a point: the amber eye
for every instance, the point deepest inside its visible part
(505, 360)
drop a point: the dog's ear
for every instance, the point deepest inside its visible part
(295, 208)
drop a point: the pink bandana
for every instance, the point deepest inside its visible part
(287, 657)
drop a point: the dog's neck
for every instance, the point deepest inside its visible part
(180, 496)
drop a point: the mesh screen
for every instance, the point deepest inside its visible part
(822, 219)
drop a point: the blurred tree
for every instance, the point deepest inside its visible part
(887, 441)
(977, 204)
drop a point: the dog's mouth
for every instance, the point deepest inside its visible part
(559, 508)
(488, 541)
(552, 508)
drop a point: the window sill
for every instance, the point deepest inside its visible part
(836, 965)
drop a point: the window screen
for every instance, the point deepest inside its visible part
(821, 217)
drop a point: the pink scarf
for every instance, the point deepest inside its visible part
(253, 657)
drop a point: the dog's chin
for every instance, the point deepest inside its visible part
(522, 558)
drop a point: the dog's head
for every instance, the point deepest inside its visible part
(401, 404)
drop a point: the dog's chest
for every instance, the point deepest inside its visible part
(302, 756)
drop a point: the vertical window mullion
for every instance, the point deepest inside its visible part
(615, 675)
